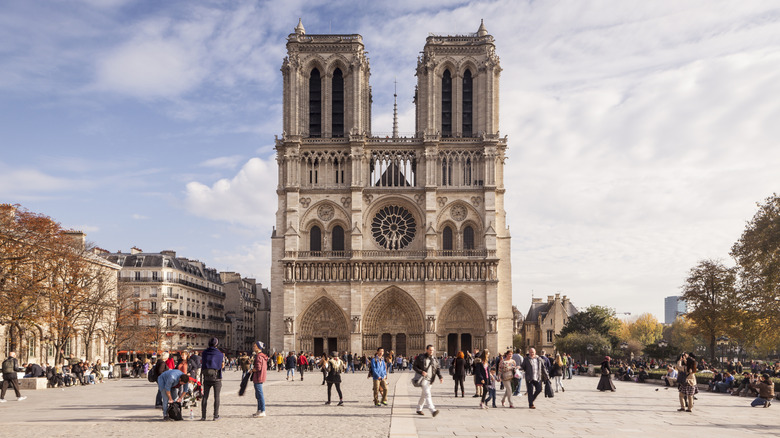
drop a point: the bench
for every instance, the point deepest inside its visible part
(30, 383)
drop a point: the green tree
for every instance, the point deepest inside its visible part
(576, 344)
(596, 319)
(712, 297)
(757, 253)
(681, 335)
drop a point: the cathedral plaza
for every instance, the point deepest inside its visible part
(125, 408)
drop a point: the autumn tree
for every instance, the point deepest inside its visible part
(25, 239)
(712, 297)
(682, 335)
(645, 329)
(101, 304)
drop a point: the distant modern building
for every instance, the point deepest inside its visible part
(183, 299)
(247, 307)
(545, 320)
(674, 306)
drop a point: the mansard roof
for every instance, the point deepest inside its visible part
(542, 309)
(157, 260)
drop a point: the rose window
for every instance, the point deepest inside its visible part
(393, 227)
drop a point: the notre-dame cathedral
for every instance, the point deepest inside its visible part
(390, 241)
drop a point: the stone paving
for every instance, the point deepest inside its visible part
(123, 408)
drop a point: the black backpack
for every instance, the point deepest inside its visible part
(174, 411)
(152, 374)
(8, 366)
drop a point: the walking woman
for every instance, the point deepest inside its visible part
(459, 368)
(323, 364)
(556, 372)
(336, 366)
(481, 373)
(506, 370)
(290, 364)
(687, 368)
(605, 383)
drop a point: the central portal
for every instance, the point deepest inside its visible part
(394, 321)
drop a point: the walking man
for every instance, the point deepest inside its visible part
(211, 375)
(427, 365)
(10, 368)
(378, 370)
(534, 369)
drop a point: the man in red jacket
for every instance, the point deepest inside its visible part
(258, 377)
(303, 362)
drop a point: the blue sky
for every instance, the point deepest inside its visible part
(641, 134)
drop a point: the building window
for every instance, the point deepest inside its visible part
(137, 275)
(446, 171)
(155, 275)
(467, 103)
(468, 238)
(446, 239)
(337, 237)
(315, 239)
(153, 306)
(337, 111)
(315, 104)
(446, 104)
(550, 336)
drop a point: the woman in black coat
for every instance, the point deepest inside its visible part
(459, 373)
(605, 383)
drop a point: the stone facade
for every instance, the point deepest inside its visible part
(183, 298)
(544, 321)
(247, 308)
(391, 241)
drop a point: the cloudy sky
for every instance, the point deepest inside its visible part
(641, 134)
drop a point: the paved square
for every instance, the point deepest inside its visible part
(125, 408)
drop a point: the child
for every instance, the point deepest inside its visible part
(490, 386)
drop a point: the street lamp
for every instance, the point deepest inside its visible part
(722, 342)
(624, 347)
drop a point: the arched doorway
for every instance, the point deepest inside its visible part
(394, 316)
(323, 328)
(461, 325)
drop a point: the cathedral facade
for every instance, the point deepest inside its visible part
(390, 241)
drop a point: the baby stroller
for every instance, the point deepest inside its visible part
(191, 398)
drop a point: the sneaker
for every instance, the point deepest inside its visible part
(377, 404)
(482, 406)
(2, 400)
(767, 404)
(341, 403)
(21, 398)
(420, 413)
(435, 413)
(216, 417)
(384, 403)
(202, 418)
(327, 402)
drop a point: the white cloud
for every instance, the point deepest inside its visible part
(250, 260)
(139, 217)
(24, 183)
(249, 198)
(229, 162)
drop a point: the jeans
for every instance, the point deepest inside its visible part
(534, 388)
(158, 399)
(758, 402)
(259, 397)
(425, 396)
(300, 371)
(164, 398)
(558, 384)
(291, 372)
(217, 385)
(459, 382)
(491, 396)
(516, 383)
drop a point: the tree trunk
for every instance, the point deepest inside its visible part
(712, 349)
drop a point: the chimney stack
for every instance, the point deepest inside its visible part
(550, 298)
(78, 237)
(135, 250)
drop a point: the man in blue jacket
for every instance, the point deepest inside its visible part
(378, 370)
(166, 382)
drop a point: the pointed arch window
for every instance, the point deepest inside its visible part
(337, 237)
(446, 104)
(446, 239)
(468, 96)
(315, 239)
(337, 104)
(315, 104)
(468, 238)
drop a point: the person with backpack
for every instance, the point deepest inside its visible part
(335, 366)
(378, 370)
(10, 368)
(168, 383)
(211, 375)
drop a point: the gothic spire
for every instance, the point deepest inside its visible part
(395, 109)
(299, 28)
(482, 31)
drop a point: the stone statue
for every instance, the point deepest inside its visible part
(431, 323)
(288, 326)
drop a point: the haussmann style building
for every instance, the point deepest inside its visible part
(390, 241)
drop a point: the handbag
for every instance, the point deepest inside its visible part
(518, 374)
(417, 380)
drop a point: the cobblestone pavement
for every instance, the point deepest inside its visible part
(124, 408)
(634, 409)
